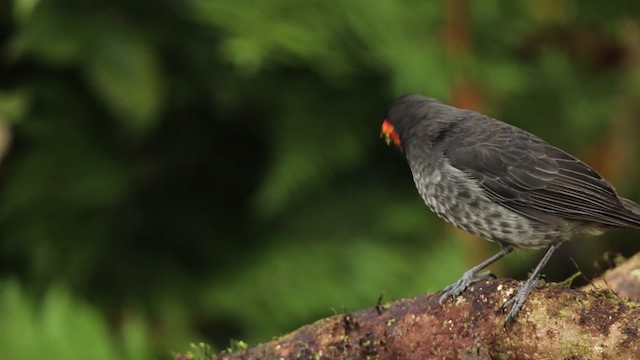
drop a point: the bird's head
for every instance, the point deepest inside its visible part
(403, 118)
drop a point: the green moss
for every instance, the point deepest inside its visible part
(568, 281)
(200, 351)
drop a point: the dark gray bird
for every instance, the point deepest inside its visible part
(502, 183)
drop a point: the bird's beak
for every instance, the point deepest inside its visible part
(390, 135)
(387, 138)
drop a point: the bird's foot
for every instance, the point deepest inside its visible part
(468, 278)
(517, 301)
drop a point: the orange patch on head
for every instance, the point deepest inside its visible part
(390, 134)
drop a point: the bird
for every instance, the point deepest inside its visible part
(501, 183)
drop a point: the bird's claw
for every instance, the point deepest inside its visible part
(468, 278)
(517, 301)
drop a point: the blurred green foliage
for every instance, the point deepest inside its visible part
(63, 328)
(195, 170)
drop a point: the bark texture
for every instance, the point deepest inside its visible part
(555, 323)
(623, 280)
(597, 322)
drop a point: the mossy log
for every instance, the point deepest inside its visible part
(556, 323)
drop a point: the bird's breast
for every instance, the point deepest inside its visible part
(459, 200)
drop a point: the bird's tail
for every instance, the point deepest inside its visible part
(632, 207)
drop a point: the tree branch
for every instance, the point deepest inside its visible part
(624, 279)
(556, 322)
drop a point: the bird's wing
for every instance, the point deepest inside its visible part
(526, 175)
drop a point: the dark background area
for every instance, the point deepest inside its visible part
(185, 171)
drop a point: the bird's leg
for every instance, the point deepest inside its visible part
(520, 297)
(471, 275)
